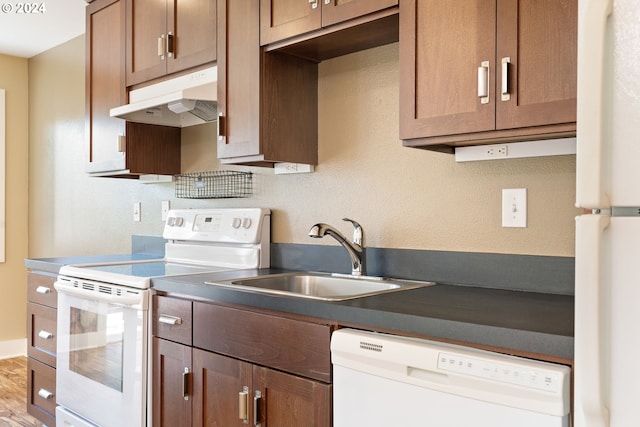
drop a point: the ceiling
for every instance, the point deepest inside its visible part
(28, 34)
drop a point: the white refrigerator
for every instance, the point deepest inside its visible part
(607, 319)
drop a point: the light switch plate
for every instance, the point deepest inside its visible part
(514, 207)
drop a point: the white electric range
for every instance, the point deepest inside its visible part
(104, 325)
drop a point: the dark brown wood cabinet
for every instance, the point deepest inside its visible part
(41, 346)
(481, 71)
(252, 367)
(118, 148)
(164, 37)
(282, 19)
(267, 102)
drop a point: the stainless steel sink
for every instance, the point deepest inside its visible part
(326, 287)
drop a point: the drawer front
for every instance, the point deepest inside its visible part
(41, 290)
(172, 319)
(41, 392)
(42, 329)
(289, 345)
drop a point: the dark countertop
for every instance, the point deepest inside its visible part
(523, 321)
(527, 322)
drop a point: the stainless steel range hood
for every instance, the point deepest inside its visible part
(179, 102)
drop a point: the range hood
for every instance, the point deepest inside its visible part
(179, 102)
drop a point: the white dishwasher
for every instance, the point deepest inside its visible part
(382, 380)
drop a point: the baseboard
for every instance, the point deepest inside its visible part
(13, 348)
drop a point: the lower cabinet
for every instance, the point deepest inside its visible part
(255, 375)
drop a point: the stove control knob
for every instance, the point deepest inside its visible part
(179, 222)
(246, 223)
(171, 221)
(236, 223)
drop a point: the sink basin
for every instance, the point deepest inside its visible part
(320, 286)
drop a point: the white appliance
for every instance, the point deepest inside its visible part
(104, 326)
(382, 380)
(607, 350)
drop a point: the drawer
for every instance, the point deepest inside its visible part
(41, 391)
(40, 289)
(294, 346)
(42, 330)
(172, 319)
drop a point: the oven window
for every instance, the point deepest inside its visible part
(96, 345)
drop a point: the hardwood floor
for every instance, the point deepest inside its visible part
(13, 394)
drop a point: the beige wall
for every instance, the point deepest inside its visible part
(404, 198)
(14, 79)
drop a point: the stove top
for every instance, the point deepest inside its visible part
(198, 241)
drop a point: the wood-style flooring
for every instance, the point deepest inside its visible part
(13, 394)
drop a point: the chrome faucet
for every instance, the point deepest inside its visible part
(355, 248)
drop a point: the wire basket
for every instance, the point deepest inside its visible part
(214, 185)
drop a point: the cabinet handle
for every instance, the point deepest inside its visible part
(257, 416)
(327, 1)
(169, 320)
(185, 384)
(161, 45)
(483, 82)
(122, 144)
(45, 394)
(314, 4)
(170, 45)
(43, 290)
(243, 405)
(222, 128)
(506, 61)
(45, 335)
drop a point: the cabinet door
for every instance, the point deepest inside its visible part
(171, 384)
(146, 40)
(291, 401)
(105, 85)
(281, 19)
(217, 384)
(442, 44)
(192, 24)
(334, 11)
(540, 39)
(238, 78)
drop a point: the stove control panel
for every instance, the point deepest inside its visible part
(249, 225)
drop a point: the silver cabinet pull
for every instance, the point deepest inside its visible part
(314, 4)
(169, 320)
(45, 394)
(483, 82)
(161, 46)
(505, 96)
(185, 384)
(243, 405)
(122, 143)
(222, 131)
(43, 290)
(257, 417)
(327, 1)
(170, 45)
(45, 335)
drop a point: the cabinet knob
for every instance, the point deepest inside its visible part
(314, 4)
(45, 394)
(45, 335)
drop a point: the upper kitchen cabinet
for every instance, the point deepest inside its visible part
(480, 71)
(267, 101)
(164, 37)
(281, 19)
(116, 147)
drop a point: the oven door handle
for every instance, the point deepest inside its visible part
(131, 298)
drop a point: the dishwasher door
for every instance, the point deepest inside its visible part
(383, 380)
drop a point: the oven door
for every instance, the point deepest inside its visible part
(102, 351)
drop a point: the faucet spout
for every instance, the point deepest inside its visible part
(355, 248)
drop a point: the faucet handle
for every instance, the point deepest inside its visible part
(358, 234)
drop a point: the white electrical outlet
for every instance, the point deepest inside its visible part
(285, 168)
(495, 151)
(137, 207)
(166, 205)
(514, 207)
